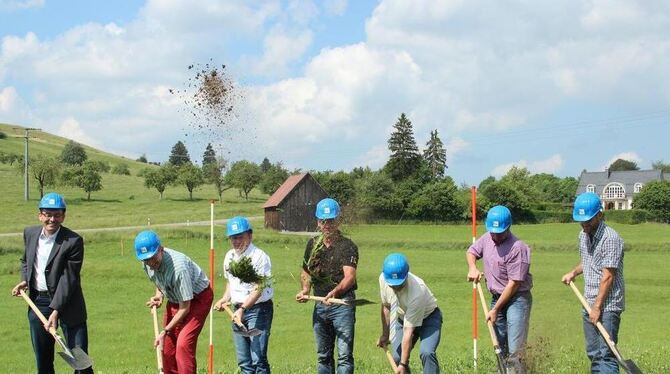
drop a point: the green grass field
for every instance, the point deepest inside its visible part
(116, 288)
(120, 326)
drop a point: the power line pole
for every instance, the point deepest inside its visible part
(26, 193)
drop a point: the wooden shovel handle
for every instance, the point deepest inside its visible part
(39, 314)
(599, 325)
(389, 356)
(492, 332)
(232, 316)
(159, 355)
(331, 300)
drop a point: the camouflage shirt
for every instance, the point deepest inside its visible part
(325, 265)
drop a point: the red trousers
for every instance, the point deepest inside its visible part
(180, 346)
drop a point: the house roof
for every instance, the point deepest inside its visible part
(627, 178)
(284, 190)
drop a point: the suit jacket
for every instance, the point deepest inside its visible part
(62, 272)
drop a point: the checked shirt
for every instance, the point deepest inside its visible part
(604, 250)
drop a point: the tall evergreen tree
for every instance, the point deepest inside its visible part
(265, 165)
(209, 156)
(435, 156)
(405, 157)
(179, 155)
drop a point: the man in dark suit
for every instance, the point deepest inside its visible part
(50, 269)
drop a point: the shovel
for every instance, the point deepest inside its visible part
(389, 356)
(494, 339)
(241, 330)
(159, 355)
(349, 302)
(627, 365)
(76, 357)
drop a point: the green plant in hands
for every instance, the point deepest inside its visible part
(244, 270)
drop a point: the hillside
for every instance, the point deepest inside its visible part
(123, 201)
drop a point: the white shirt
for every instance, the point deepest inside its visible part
(45, 244)
(261, 262)
(415, 300)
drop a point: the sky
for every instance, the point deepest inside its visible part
(556, 87)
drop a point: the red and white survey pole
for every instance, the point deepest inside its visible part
(210, 357)
(474, 283)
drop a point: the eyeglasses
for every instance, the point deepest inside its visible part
(329, 221)
(52, 215)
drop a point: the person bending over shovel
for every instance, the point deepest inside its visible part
(189, 296)
(507, 271)
(601, 251)
(248, 270)
(50, 268)
(409, 312)
(329, 265)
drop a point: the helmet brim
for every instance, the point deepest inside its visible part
(579, 218)
(496, 230)
(395, 282)
(148, 255)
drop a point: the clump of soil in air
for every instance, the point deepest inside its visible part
(211, 99)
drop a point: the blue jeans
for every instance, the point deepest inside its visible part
(602, 359)
(252, 352)
(512, 329)
(429, 332)
(43, 342)
(334, 323)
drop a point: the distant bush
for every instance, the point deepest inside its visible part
(631, 217)
(101, 166)
(551, 216)
(3, 135)
(121, 169)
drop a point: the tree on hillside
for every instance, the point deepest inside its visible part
(405, 157)
(500, 193)
(265, 165)
(339, 186)
(190, 176)
(660, 165)
(86, 176)
(73, 153)
(209, 156)
(376, 193)
(519, 180)
(142, 159)
(655, 197)
(179, 155)
(160, 178)
(45, 170)
(435, 156)
(272, 178)
(244, 176)
(621, 165)
(121, 169)
(214, 173)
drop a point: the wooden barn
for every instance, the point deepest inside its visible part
(291, 207)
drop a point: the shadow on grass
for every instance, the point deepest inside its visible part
(81, 201)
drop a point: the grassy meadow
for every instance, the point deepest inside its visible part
(116, 288)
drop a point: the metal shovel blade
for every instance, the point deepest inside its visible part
(246, 332)
(630, 367)
(76, 358)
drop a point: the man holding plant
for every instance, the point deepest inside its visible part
(329, 265)
(248, 270)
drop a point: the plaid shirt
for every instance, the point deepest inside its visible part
(604, 250)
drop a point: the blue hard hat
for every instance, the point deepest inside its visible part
(587, 205)
(237, 225)
(395, 269)
(498, 219)
(146, 244)
(52, 200)
(327, 209)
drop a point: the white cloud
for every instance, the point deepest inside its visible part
(454, 146)
(551, 165)
(281, 48)
(375, 157)
(8, 98)
(335, 7)
(628, 156)
(71, 129)
(9, 5)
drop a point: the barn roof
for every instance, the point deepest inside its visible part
(284, 190)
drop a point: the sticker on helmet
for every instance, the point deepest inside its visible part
(144, 250)
(582, 212)
(234, 226)
(496, 223)
(52, 201)
(326, 210)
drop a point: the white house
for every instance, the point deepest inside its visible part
(617, 188)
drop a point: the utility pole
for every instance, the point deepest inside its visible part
(26, 193)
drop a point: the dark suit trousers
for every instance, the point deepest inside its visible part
(43, 342)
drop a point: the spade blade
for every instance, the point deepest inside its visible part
(246, 332)
(630, 367)
(76, 358)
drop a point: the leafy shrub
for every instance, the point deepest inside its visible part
(121, 169)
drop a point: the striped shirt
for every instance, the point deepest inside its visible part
(177, 277)
(604, 250)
